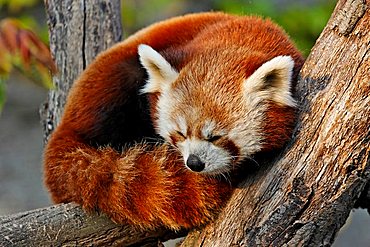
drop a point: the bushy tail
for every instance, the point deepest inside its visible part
(146, 185)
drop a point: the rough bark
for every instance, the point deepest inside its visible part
(78, 31)
(68, 225)
(306, 196)
(302, 198)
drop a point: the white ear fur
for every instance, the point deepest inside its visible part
(160, 71)
(272, 80)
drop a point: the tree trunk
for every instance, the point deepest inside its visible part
(304, 198)
(78, 31)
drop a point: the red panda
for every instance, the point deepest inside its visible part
(152, 124)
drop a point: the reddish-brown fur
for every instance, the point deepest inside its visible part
(95, 158)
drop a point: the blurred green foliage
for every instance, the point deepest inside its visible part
(22, 43)
(14, 6)
(140, 13)
(302, 19)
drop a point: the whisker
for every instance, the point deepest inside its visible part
(253, 160)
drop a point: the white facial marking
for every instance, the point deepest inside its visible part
(208, 128)
(246, 132)
(181, 122)
(217, 160)
(165, 125)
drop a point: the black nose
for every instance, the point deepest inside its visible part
(194, 163)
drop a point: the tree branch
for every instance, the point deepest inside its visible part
(69, 225)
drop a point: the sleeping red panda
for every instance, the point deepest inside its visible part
(152, 123)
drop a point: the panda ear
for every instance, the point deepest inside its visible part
(160, 72)
(272, 80)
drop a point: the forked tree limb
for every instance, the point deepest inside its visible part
(301, 199)
(306, 196)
